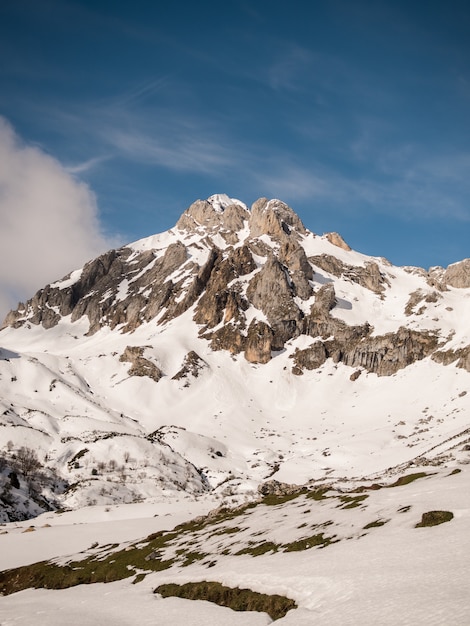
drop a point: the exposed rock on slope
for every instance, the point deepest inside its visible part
(252, 288)
(192, 366)
(140, 365)
(458, 274)
(223, 352)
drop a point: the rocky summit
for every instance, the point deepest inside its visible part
(235, 347)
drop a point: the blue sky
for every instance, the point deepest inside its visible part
(356, 113)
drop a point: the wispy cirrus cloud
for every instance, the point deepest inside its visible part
(180, 150)
(413, 188)
(86, 166)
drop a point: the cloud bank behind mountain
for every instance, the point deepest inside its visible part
(49, 220)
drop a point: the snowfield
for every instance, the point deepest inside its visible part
(390, 574)
(305, 481)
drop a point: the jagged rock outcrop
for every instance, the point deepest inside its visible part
(458, 274)
(461, 356)
(293, 256)
(355, 346)
(259, 342)
(368, 276)
(337, 240)
(310, 358)
(219, 301)
(386, 354)
(246, 280)
(418, 297)
(102, 294)
(325, 301)
(274, 218)
(275, 488)
(271, 291)
(192, 366)
(140, 366)
(219, 214)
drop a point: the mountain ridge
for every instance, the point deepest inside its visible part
(234, 348)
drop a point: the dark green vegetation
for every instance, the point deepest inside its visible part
(434, 518)
(257, 549)
(234, 598)
(318, 494)
(262, 528)
(351, 502)
(308, 542)
(98, 568)
(376, 524)
(406, 480)
(274, 500)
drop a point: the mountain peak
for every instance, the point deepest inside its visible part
(236, 319)
(220, 201)
(256, 280)
(229, 217)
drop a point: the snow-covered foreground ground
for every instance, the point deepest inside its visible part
(59, 534)
(392, 574)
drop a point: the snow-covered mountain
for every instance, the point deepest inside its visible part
(237, 347)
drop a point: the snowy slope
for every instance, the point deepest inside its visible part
(240, 352)
(380, 568)
(68, 393)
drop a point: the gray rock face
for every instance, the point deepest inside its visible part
(386, 354)
(219, 301)
(461, 357)
(259, 343)
(140, 366)
(458, 274)
(325, 301)
(201, 216)
(192, 366)
(310, 358)
(337, 240)
(293, 256)
(368, 276)
(274, 218)
(272, 292)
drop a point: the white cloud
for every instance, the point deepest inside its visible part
(49, 220)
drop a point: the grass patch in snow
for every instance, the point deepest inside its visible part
(434, 518)
(234, 598)
(308, 542)
(191, 557)
(406, 480)
(228, 531)
(351, 502)
(259, 549)
(376, 524)
(138, 579)
(404, 509)
(274, 500)
(318, 494)
(97, 568)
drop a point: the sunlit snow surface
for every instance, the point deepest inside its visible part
(241, 424)
(395, 574)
